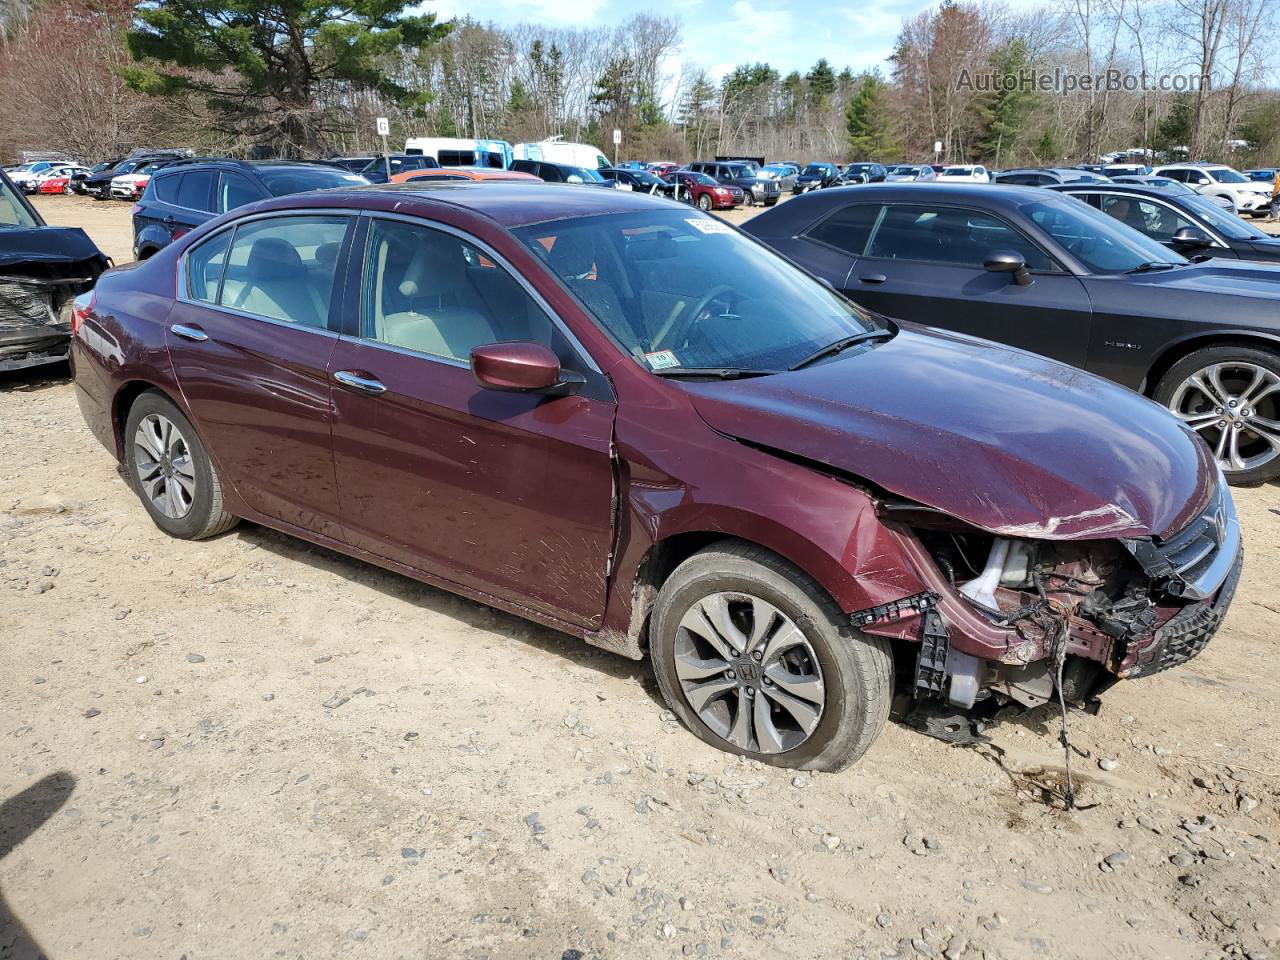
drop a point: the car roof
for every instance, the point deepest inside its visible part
(1137, 189)
(511, 204)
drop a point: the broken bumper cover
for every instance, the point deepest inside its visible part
(1186, 634)
(34, 346)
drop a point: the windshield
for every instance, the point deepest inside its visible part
(1098, 240)
(1226, 175)
(815, 169)
(679, 289)
(958, 172)
(13, 212)
(582, 174)
(701, 178)
(904, 171)
(1221, 219)
(778, 170)
(301, 179)
(645, 177)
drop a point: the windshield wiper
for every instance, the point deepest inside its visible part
(715, 373)
(1152, 265)
(843, 344)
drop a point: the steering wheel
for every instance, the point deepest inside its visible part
(682, 328)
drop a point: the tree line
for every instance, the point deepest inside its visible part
(98, 77)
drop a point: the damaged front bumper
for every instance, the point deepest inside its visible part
(1075, 610)
(42, 269)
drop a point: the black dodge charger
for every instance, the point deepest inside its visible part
(1045, 272)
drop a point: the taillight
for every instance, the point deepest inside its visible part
(79, 311)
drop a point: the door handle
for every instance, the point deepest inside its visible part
(188, 332)
(873, 278)
(370, 385)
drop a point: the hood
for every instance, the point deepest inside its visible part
(1001, 439)
(1245, 278)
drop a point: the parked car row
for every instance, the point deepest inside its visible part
(781, 479)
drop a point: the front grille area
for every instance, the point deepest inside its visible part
(1195, 561)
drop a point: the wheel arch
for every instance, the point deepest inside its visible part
(1182, 348)
(123, 402)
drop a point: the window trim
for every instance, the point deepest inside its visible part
(884, 206)
(217, 190)
(183, 295)
(356, 273)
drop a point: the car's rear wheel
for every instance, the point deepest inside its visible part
(704, 202)
(755, 659)
(171, 472)
(1230, 396)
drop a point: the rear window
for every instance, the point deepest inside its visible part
(301, 179)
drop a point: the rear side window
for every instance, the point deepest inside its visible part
(848, 229)
(949, 235)
(283, 268)
(204, 267)
(167, 188)
(195, 189)
(457, 158)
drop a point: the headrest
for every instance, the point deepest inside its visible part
(271, 258)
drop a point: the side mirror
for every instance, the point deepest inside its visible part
(521, 366)
(1008, 261)
(1191, 238)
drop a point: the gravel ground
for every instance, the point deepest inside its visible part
(254, 747)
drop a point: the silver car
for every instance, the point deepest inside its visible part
(907, 171)
(784, 173)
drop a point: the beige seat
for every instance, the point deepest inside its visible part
(442, 318)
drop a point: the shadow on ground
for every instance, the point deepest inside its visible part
(21, 816)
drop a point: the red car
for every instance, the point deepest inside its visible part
(663, 168)
(703, 192)
(628, 421)
(56, 185)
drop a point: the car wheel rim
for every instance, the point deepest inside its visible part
(166, 472)
(1235, 407)
(749, 673)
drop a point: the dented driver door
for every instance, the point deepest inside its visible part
(508, 494)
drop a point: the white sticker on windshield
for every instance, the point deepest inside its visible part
(353, 177)
(709, 225)
(662, 360)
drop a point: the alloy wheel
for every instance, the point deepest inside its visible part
(1235, 407)
(749, 673)
(166, 472)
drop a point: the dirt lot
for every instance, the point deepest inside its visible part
(252, 747)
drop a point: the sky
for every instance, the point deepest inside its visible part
(720, 34)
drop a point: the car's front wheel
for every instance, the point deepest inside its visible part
(171, 472)
(754, 657)
(1230, 396)
(704, 202)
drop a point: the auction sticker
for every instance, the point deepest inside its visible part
(709, 225)
(661, 360)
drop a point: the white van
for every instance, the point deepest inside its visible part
(458, 152)
(557, 150)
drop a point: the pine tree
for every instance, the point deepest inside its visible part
(259, 66)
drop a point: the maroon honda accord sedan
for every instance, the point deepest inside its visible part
(622, 418)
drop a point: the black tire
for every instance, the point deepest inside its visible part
(206, 516)
(856, 669)
(1166, 392)
(704, 203)
(103, 193)
(770, 203)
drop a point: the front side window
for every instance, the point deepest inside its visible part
(285, 180)
(681, 289)
(429, 291)
(234, 191)
(848, 229)
(1156, 220)
(949, 235)
(283, 268)
(13, 212)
